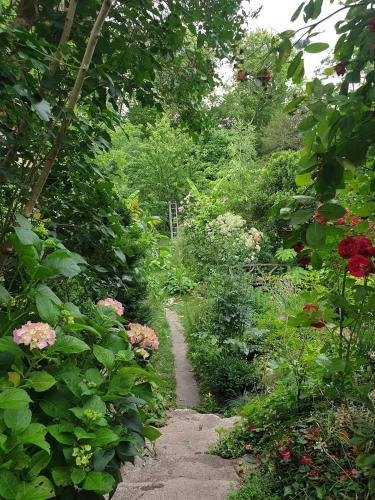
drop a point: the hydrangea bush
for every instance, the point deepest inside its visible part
(73, 387)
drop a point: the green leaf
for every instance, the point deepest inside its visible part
(41, 381)
(103, 437)
(99, 482)
(293, 105)
(17, 420)
(34, 434)
(13, 399)
(151, 433)
(63, 262)
(47, 304)
(101, 458)
(301, 216)
(285, 49)
(8, 484)
(7, 344)
(93, 375)
(23, 222)
(78, 475)
(62, 434)
(307, 123)
(27, 237)
(316, 235)
(314, 48)
(297, 12)
(294, 65)
(69, 345)
(104, 356)
(43, 110)
(4, 296)
(332, 211)
(61, 476)
(39, 489)
(39, 462)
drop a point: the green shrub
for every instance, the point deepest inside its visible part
(73, 388)
(256, 487)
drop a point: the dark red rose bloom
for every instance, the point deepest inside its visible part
(259, 458)
(355, 220)
(348, 247)
(342, 220)
(371, 26)
(365, 246)
(305, 460)
(319, 324)
(303, 260)
(311, 307)
(251, 427)
(314, 473)
(298, 247)
(320, 218)
(315, 431)
(340, 69)
(285, 454)
(241, 75)
(360, 266)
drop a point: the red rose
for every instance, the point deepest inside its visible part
(319, 324)
(259, 458)
(340, 69)
(241, 75)
(311, 307)
(355, 220)
(365, 246)
(371, 26)
(313, 473)
(251, 427)
(305, 460)
(285, 454)
(320, 218)
(248, 447)
(303, 260)
(360, 266)
(315, 430)
(342, 220)
(298, 247)
(348, 247)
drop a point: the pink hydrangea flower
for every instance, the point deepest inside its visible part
(143, 336)
(114, 304)
(36, 335)
(181, 210)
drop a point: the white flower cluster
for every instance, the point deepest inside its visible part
(228, 231)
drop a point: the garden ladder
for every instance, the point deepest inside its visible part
(173, 219)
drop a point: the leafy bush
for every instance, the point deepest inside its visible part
(73, 389)
(256, 487)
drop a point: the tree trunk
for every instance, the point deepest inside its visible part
(72, 101)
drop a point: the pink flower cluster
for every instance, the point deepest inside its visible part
(114, 304)
(36, 335)
(143, 336)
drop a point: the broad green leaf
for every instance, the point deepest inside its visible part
(301, 216)
(7, 344)
(332, 211)
(23, 222)
(93, 375)
(103, 437)
(39, 462)
(104, 356)
(34, 434)
(8, 484)
(39, 489)
(69, 345)
(43, 110)
(17, 420)
(314, 48)
(63, 262)
(101, 458)
(27, 237)
(14, 399)
(4, 296)
(62, 434)
(99, 482)
(293, 66)
(41, 381)
(61, 475)
(77, 476)
(151, 433)
(316, 235)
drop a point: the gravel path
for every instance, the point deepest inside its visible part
(182, 470)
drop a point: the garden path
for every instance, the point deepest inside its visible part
(181, 469)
